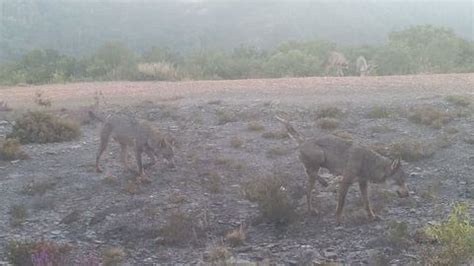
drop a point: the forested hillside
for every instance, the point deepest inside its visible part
(79, 27)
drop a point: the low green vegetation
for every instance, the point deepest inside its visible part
(454, 237)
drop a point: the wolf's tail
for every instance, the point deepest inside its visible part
(96, 117)
(291, 131)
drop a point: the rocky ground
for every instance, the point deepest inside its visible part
(222, 145)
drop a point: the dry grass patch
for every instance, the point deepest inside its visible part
(255, 126)
(342, 134)
(131, 187)
(43, 127)
(110, 179)
(381, 129)
(236, 237)
(180, 229)
(329, 112)
(42, 100)
(378, 112)
(229, 163)
(215, 102)
(469, 140)
(158, 71)
(42, 252)
(225, 116)
(328, 123)
(451, 130)
(397, 234)
(18, 214)
(39, 186)
(113, 256)
(276, 151)
(408, 149)
(217, 255)
(275, 134)
(459, 100)
(432, 190)
(236, 142)
(429, 115)
(212, 182)
(10, 149)
(412, 150)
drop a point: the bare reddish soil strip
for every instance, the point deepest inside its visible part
(118, 92)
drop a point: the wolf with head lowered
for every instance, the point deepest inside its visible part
(354, 162)
(128, 131)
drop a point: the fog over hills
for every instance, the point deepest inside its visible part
(77, 27)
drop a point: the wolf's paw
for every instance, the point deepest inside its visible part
(313, 213)
(375, 218)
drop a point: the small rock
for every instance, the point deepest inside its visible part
(56, 232)
(330, 255)
(244, 249)
(414, 175)
(70, 218)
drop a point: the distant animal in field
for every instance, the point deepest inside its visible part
(354, 162)
(336, 63)
(128, 131)
(362, 67)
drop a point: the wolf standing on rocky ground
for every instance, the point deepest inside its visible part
(352, 161)
(336, 62)
(362, 67)
(128, 131)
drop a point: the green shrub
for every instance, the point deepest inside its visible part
(455, 237)
(43, 127)
(273, 199)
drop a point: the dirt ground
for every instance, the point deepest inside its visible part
(207, 119)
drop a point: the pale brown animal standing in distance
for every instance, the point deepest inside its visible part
(354, 162)
(362, 67)
(337, 63)
(128, 131)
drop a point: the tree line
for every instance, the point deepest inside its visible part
(418, 49)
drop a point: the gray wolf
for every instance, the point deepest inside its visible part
(354, 162)
(128, 131)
